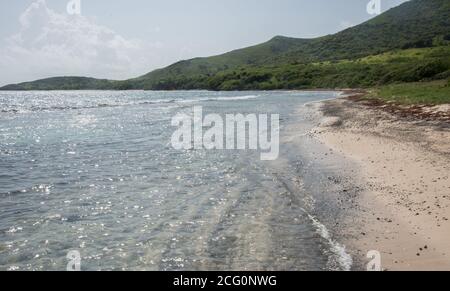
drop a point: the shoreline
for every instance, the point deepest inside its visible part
(402, 189)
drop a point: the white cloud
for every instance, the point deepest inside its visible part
(53, 44)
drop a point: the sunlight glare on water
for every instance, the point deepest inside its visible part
(95, 172)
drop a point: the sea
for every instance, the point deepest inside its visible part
(95, 173)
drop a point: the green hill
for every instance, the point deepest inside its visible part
(399, 66)
(255, 55)
(287, 63)
(414, 24)
(63, 83)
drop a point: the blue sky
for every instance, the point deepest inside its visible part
(121, 39)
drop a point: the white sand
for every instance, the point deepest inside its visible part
(404, 171)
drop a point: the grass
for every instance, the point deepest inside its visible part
(424, 93)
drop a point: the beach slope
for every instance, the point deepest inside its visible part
(403, 176)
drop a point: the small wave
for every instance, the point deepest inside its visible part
(13, 110)
(339, 259)
(340, 255)
(112, 105)
(42, 188)
(14, 229)
(231, 98)
(237, 98)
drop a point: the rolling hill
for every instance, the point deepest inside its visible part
(63, 83)
(336, 60)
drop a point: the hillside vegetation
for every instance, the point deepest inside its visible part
(410, 65)
(409, 43)
(64, 83)
(426, 93)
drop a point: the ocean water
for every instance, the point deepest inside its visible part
(94, 172)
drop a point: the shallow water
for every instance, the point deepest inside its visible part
(94, 171)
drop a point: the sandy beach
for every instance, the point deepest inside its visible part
(401, 177)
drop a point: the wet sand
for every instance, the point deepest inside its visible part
(398, 202)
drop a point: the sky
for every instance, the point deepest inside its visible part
(123, 39)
